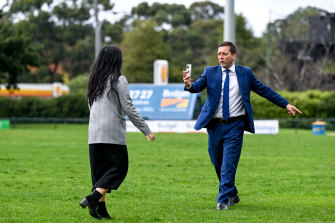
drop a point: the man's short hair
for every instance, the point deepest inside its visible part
(231, 45)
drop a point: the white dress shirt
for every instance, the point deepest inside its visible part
(236, 107)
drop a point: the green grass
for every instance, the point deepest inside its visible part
(45, 173)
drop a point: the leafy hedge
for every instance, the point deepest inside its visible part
(314, 104)
(69, 106)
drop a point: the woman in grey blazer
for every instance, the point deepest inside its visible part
(109, 101)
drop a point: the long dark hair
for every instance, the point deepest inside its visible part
(106, 67)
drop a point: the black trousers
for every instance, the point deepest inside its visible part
(109, 165)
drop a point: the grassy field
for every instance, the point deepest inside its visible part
(45, 173)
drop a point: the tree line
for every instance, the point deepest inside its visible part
(45, 41)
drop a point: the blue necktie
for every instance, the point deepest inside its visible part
(225, 106)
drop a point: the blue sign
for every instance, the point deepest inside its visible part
(164, 102)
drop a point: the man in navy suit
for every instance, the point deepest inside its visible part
(227, 113)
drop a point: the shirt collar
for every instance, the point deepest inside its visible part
(232, 68)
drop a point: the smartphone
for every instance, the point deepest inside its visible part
(189, 69)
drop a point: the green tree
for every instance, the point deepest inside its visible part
(158, 31)
(64, 32)
(206, 10)
(27, 6)
(197, 45)
(80, 58)
(175, 15)
(44, 32)
(114, 31)
(141, 47)
(16, 54)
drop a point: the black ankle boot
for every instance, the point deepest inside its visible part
(102, 210)
(92, 201)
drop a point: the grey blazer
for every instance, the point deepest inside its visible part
(107, 116)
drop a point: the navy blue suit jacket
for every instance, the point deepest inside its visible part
(212, 80)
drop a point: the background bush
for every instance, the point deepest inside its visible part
(313, 104)
(69, 106)
(78, 85)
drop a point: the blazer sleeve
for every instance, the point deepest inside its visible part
(266, 92)
(199, 84)
(128, 107)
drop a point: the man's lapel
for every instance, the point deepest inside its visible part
(219, 77)
(239, 75)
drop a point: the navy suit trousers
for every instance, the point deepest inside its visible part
(224, 148)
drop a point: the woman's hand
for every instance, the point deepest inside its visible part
(151, 137)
